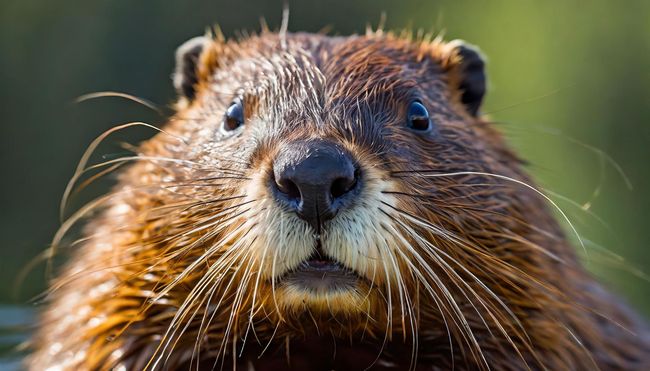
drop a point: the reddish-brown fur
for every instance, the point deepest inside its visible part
(489, 279)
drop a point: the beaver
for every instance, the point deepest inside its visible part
(329, 202)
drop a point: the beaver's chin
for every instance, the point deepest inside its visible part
(321, 285)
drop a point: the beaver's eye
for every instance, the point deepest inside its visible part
(234, 116)
(418, 117)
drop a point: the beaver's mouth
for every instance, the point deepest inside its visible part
(321, 274)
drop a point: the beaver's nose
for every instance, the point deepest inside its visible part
(315, 179)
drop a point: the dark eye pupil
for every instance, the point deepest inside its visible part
(418, 117)
(234, 116)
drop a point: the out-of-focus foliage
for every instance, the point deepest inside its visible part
(566, 76)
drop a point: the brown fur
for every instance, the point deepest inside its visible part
(482, 276)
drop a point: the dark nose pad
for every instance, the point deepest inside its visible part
(315, 179)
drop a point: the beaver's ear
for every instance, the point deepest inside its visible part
(187, 63)
(472, 75)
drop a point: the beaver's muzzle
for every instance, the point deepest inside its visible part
(315, 178)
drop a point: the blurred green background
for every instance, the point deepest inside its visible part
(565, 77)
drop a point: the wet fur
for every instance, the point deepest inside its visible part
(463, 264)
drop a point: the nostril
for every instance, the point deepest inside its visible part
(289, 188)
(341, 186)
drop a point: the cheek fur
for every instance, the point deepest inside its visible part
(360, 237)
(278, 240)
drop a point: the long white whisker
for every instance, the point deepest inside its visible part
(519, 182)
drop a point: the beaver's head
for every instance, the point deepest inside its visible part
(344, 185)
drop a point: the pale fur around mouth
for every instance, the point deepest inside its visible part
(320, 274)
(355, 240)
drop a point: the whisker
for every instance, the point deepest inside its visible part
(434, 174)
(91, 149)
(102, 94)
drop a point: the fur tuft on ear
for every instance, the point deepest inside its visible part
(186, 73)
(472, 71)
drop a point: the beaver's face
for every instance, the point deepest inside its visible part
(316, 188)
(360, 165)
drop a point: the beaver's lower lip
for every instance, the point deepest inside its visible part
(321, 275)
